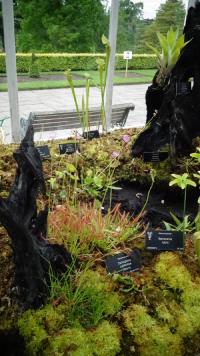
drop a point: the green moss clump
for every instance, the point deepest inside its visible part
(45, 336)
(73, 342)
(105, 339)
(170, 269)
(138, 322)
(191, 304)
(32, 329)
(172, 272)
(152, 338)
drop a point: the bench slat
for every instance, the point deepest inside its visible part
(61, 120)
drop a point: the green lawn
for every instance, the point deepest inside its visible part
(53, 84)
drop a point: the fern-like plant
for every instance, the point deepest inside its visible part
(171, 46)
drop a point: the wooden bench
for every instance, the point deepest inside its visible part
(62, 120)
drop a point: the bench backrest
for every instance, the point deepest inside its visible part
(61, 120)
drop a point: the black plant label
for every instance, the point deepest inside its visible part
(183, 88)
(155, 156)
(123, 262)
(91, 134)
(164, 240)
(44, 152)
(68, 148)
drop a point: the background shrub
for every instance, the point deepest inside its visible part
(75, 61)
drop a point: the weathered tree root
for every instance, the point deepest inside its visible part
(27, 228)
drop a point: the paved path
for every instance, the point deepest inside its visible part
(61, 99)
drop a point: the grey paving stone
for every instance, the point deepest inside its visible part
(61, 99)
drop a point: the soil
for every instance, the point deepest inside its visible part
(43, 77)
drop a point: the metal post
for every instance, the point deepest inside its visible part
(9, 38)
(113, 39)
(126, 71)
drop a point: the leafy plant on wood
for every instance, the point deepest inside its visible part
(171, 46)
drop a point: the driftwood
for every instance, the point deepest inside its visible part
(27, 228)
(173, 115)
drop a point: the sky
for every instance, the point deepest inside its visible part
(151, 6)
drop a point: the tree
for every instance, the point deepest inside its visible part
(140, 47)
(60, 25)
(170, 14)
(129, 16)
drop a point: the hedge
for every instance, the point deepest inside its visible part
(61, 61)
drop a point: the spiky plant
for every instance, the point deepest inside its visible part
(171, 46)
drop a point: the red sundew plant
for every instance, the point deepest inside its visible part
(83, 228)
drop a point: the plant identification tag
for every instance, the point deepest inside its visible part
(155, 156)
(43, 152)
(68, 148)
(164, 240)
(183, 88)
(123, 262)
(91, 134)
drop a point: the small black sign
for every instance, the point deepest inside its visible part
(44, 152)
(68, 148)
(164, 240)
(183, 88)
(123, 262)
(91, 134)
(155, 156)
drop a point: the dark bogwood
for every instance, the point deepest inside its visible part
(28, 228)
(175, 119)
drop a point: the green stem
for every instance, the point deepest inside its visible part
(184, 203)
(148, 195)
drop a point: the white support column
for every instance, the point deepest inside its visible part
(113, 39)
(9, 39)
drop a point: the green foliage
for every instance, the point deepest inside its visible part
(88, 297)
(196, 155)
(182, 181)
(129, 18)
(34, 71)
(170, 14)
(184, 225)
(54, 25)
(60, 61)
(171, 46)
